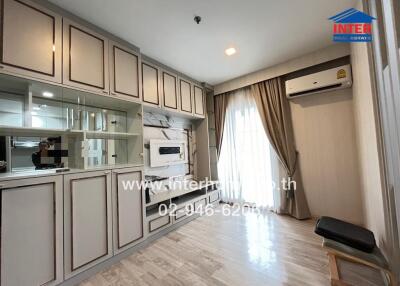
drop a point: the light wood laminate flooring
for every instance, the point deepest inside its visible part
(222, 250)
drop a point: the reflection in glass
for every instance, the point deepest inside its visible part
(11, 109)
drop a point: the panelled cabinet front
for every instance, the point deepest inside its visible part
(198, 101)
(30, 40)
(87, 220)
(31, 231)
(128, 208)
(150, 84)
(185, 91)
(85, 58)
(169, 90)
(124, 71)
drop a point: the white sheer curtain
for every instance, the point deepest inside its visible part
(248, 169)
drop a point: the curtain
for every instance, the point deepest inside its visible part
(248, 170)
(220, 104)
(274, 111)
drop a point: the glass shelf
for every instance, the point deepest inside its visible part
(97, 130)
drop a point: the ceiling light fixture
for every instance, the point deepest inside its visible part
(47, 94)
(230, 51)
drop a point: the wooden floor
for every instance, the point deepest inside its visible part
(227, 250)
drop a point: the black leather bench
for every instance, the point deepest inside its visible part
(352, 243)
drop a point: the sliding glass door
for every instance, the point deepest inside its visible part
(247, 167)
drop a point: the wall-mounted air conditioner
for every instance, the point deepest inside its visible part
(328, 80)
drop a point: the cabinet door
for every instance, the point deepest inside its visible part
(31, 41)
(85, 60)
(128, 208)
(198, 101)
(169, 90)
(185, 90)
(150, 90)
(31, 232)
(124, 67)
(87, 220)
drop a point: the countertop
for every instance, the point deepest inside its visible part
(54, 172)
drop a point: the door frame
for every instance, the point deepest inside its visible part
(387, 110)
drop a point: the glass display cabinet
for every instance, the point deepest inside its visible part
(95, 130)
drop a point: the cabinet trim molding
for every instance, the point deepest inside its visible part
(176, 91)
(137, 72)
(2, 39)
(158, 91)
(55, 214)
(190, 92)
(141, 203)
(150, 221)
(202, 99)
(73, 268)
(70, 60)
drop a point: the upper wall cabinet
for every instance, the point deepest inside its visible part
(198, 101)
(169, 90)
(85, 58)
(124, 71)
(30, 41)
(185, 90)
(150, 84)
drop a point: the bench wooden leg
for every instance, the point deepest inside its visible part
(335, 274)
(391, 277)
(333, 267)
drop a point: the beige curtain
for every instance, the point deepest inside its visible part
(275, 115)
(220, 104)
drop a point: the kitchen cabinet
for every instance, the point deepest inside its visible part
(85, 58)
(31, 41)
(198, 101)
(124, 71)
(169, 90)
(87, 220)
(31, 231)
(128, 208)
(150, 84)
(185, 91)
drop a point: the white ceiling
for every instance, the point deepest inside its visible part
(265, 32)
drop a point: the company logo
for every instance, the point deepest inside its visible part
(352, 26)
(341, 74)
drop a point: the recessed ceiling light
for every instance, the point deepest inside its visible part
(230, 51)
(48, 94)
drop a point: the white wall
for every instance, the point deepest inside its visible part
(325, 138)
(329, 53)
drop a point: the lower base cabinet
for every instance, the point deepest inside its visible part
(55, 227)
(87, 220)
(128, 208)
(31, 231)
